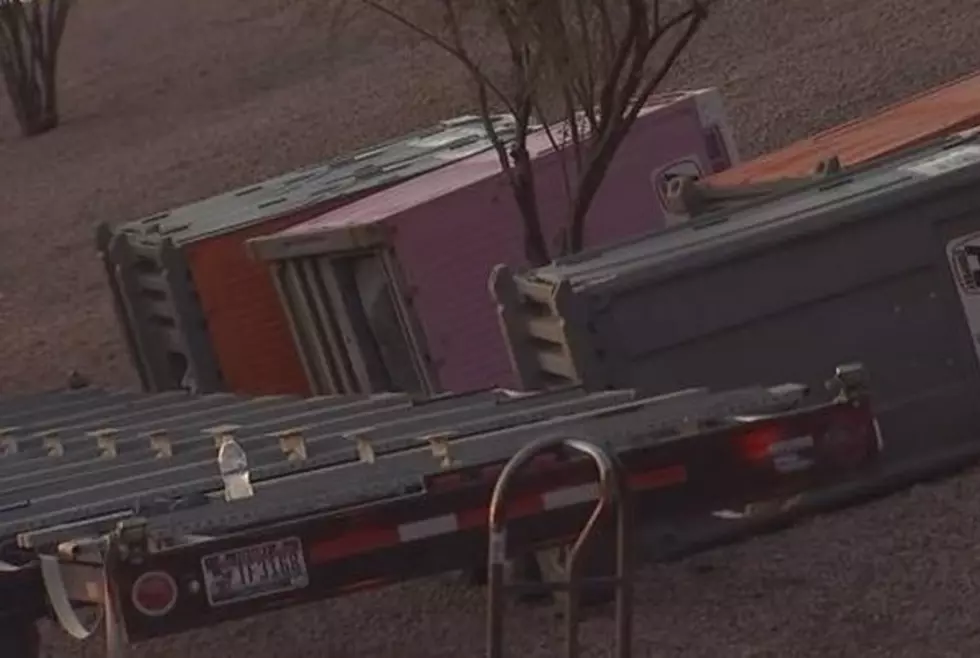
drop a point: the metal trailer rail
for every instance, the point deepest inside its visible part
(114, 499)
(611, 491)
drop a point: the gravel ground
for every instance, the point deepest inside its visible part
(167, 102)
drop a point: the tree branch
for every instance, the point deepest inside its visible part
(593, 61)
(609, 142)
(461, 55)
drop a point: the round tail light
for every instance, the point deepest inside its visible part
(154, 593)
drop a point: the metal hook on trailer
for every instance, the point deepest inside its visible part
(612, 489)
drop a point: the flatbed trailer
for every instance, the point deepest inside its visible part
(115, 500)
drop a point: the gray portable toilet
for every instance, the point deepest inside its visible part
(878, 264)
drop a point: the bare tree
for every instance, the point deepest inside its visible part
(30, 37)
(588, 66)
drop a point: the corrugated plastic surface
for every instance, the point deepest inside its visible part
(679, 247)
(376, 166)
(486, 166)
(940, 111)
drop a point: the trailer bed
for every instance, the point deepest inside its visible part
(120, 492)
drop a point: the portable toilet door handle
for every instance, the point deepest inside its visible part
(612, 490)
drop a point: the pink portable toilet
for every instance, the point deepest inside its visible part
(390, 292)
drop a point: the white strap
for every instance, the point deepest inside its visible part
(65, 613)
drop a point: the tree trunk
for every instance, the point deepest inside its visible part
(35, 107)
(30, 36)
(589, 184)
(535, 245)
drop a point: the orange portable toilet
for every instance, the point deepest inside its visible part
(940, 111)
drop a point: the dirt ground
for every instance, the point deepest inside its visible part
(164, 103)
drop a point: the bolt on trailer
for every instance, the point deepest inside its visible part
(117, 500)
(877, 263)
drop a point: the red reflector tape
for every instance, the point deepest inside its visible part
(658, 478)
(352, 543)
(360, 541)
(472, 518)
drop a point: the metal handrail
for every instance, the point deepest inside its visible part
(612, 490)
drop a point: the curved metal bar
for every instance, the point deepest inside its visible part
(612, 490)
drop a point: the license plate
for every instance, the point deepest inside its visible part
(254, 571)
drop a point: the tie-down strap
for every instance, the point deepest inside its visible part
(108, 614)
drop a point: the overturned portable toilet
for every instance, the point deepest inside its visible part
(879, 264)
(389, 293)
(197, 312)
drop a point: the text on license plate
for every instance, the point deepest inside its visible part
(254, 571)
